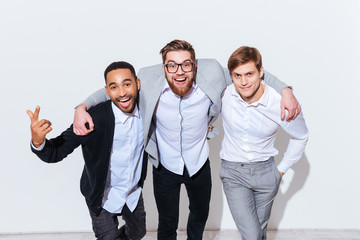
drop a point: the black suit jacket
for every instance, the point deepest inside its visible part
(96, 149)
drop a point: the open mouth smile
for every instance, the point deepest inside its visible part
(180, 81)
(124, 102)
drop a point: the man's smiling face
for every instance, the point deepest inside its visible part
(180, 82)
(122, 88)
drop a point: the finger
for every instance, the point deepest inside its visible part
(43, 124)
(290, 116)
(36, 113)
(75, 131)
(43, 121)
(291, 113)
(91, 126)
(44, 129)
(30, 114)
(84, 131)
(80, 132)
(282, 112)
(297, 112)
(47, 130)
(295, 115)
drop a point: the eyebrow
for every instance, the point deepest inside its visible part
(125, 80)
(243, 73)
(179, 63)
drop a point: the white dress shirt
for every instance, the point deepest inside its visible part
(250, 129)
(125, 162)
(181, 130)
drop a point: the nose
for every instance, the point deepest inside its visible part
(243, 80)
(121, 92)
(180, 70)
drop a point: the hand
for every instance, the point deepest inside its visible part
(81, 117)
(289, 102)
(39, 129)
(281, 173)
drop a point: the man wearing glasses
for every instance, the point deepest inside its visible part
(178, 101)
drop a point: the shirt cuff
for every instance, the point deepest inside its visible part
(41, 147)
(283, 167)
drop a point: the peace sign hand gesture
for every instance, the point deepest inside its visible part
(39, 129)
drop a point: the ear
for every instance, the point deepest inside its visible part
(261, 72)
(138, 84)
(107, 91)
(163, 67)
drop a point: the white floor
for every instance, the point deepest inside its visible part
(208, 235)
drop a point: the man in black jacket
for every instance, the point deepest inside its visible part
(114, 169)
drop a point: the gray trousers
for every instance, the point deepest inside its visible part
(250, 189)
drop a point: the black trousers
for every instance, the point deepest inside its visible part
(105, 225)
(167, 194)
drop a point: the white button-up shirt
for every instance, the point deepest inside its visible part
(125, 162)
(181, 130)
(250, 129)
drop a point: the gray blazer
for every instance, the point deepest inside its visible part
(212, 79)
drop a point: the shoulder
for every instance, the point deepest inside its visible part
(208, 63)
(154, 70)
(100, 109)
(210, 68)
(273, 99)
(228, 92)
(273, 94)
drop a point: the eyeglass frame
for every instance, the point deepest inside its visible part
(181, 65)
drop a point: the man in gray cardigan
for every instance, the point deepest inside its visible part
(179, 100)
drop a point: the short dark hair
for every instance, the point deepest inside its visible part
(244, 55)
(177, 45)
(120, 65)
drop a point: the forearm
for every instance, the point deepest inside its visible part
(94, 99)
(47, 153)
(56, 149)
(299, 136)
(292, 154)
(274, 82)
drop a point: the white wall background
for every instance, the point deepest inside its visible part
(53, 54)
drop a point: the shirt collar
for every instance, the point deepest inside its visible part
(262, 101)
(121, 117)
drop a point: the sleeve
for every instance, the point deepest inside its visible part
(56, 149)
(274, 82)
(227, 75)
(299, 136)
(41, 147)
(97, 97)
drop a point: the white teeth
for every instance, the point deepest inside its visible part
(125, 100)
(180, 79)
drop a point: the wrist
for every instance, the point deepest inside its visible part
(81, 107)
(39, 145)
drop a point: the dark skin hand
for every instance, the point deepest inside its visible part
(39, 128)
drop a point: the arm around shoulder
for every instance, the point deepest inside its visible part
(81, 116)
(288, 100)
(274, 82)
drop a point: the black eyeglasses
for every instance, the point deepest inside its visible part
(173, 67)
